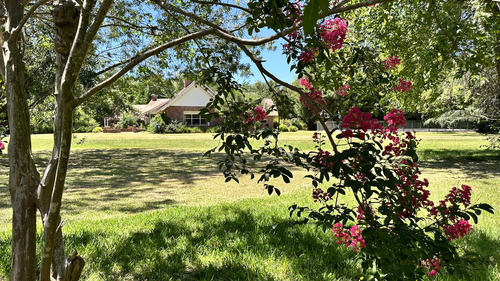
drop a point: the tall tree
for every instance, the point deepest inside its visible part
(435, 39)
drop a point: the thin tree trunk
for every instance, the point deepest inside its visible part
(23, 177)
(55, 264)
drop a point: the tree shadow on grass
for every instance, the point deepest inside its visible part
(231, 243)
(473, 169)
(483, 255)
(110, 176)
(210, 247)
(459, 155)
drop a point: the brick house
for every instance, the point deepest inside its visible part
(183, 107)
(186, 104)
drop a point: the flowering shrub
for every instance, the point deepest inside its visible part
(399, 233)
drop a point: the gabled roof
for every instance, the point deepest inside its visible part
(267, 104)
(159, 105)
(154, 105)
(184, 91)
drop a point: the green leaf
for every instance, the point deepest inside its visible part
(310, 17)
(323, 4)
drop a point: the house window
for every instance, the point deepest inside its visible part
(193, 119)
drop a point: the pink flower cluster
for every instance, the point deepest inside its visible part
(333, 33)
(360, 122)
(307, 56)
(259, 114)
(322, 157)
(403, 86)
(342, 91)
(412, 191)
(305, 82)
(317, 137)
(452, 226)
(320, 195)
(432, 265)
(462, 195)
(395, 118)
(314, 95)
(391, 62)
(457, 230)
(351, 238)
(2, 146)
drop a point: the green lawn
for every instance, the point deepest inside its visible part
(149, 207)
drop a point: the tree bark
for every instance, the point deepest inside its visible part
(55, 264)
(23, 176)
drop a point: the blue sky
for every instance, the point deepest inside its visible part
(275, 63)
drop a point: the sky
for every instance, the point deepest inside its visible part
(275, 62)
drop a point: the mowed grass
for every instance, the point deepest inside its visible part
(149, 207)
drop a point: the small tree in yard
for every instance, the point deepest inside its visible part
(399, 233)
(209, 35)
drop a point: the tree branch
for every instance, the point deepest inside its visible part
(311, 104)
(135, 61)
(222, 4)
(277, 35)
(16, 31)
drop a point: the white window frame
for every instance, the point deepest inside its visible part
(199, 119)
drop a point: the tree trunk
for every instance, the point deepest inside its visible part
(55, 264)
(23, 177)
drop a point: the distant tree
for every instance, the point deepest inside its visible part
(435, 40)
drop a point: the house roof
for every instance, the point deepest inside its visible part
(184, 91)
(159, 105)
(153, 106)
(267, 104)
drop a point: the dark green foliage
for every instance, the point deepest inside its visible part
(127, 119)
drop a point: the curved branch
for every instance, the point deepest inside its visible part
(223, 4)
(256, 42)
(26, 17)
(140, 57)
(314, 108)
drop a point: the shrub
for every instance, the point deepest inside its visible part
(173, 126)
(301, 125)
(214, 129)
(97, 130)
(293, 128)
(182, 129)
(83, 123)
(487, 127)
(283, 128)
(156, 125)
(194, 130)
(127, 120)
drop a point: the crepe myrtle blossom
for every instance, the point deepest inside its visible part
(404, 86)
(391, 62)
(305, 82)
(333, 33)
(307, 56)
(432, 265)
(351, 238)
(2, 146)
(342, 91)
(259, 114)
